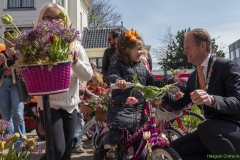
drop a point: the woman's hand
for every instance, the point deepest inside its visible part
(121, 84)
(75, 56)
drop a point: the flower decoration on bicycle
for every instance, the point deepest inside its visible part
(100, 103)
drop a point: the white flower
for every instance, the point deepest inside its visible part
(146, 135)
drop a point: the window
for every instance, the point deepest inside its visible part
(98, 61)
(60, 2)
(20, 3)
(237, 53)
(231, 55)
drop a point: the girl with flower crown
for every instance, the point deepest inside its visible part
(121, 115)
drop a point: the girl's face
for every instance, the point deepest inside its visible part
(51, 14)
(94, 82)
(136, 52)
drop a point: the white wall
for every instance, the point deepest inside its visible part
(25, 17)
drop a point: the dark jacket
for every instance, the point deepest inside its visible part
(224, 86)
(121, 115)
(107, 56)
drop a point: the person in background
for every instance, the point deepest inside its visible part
(215, 87)
(84, 94)
(94, 67)
(109, 52)
(64, 105)
(96, 83)
(11, 107)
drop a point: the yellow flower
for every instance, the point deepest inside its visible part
(8, 144)
(24, 138)
(15, 137)
(2, 145)
(31, 144)
(6, 19)
(158, 101)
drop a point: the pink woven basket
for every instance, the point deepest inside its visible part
(40, 81)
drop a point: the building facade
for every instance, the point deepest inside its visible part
(234, 51)
(24, 12)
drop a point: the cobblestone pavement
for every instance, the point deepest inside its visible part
(87, 145)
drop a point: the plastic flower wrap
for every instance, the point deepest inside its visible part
(152, 91)
(22, 152)
(47, 43)
(100, 103)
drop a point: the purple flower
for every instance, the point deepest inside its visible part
(4, 125)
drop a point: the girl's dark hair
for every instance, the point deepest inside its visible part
(123, 44)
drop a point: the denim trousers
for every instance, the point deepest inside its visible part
(78, 130)
(12, 109)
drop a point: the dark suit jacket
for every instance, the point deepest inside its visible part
(224, 85)
(107, 56)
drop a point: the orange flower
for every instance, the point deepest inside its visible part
(132, 35)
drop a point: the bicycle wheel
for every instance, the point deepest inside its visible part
(188, 122)
(164, 153)
(172, 134)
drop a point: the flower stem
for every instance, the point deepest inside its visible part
(16, 28)
(6, 40)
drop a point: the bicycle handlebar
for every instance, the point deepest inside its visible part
(128, 85)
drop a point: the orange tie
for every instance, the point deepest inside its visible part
(201, 77)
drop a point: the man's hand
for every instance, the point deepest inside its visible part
(181, 82)
(200, 97)
(121, 84)
(75, 56)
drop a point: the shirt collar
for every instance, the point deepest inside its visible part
(205, 62)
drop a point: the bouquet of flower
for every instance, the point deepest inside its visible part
(22, 152)
(46, 43)
(100, 103)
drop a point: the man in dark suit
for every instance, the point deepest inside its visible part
(216, 90)
(110, 51)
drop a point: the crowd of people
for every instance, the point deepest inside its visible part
(213, 86)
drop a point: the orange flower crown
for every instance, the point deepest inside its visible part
(132, 34)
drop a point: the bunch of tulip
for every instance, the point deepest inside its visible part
(46, 43)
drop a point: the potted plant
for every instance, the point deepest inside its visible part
(99, 104)
(43, 55)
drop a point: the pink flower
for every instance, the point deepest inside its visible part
(99, 107)
(131, 100)
(178, 95)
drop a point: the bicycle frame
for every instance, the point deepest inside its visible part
(88, 125)
(154, 140)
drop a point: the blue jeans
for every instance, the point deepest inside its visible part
(12, 109)
(78, 129)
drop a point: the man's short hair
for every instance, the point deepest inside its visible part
(93, 63)
(115, 33)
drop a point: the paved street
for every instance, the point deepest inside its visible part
(88, 155)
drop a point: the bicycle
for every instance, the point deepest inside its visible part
(89, 124)
(161, 149)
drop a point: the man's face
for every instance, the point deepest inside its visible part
(194, 53)
(112, 41)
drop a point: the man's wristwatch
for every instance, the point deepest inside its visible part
(213, 102)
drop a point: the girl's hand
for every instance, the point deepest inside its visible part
(181, 82)
(121, 84)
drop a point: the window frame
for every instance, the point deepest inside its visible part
(20, 5)
(96, 60)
